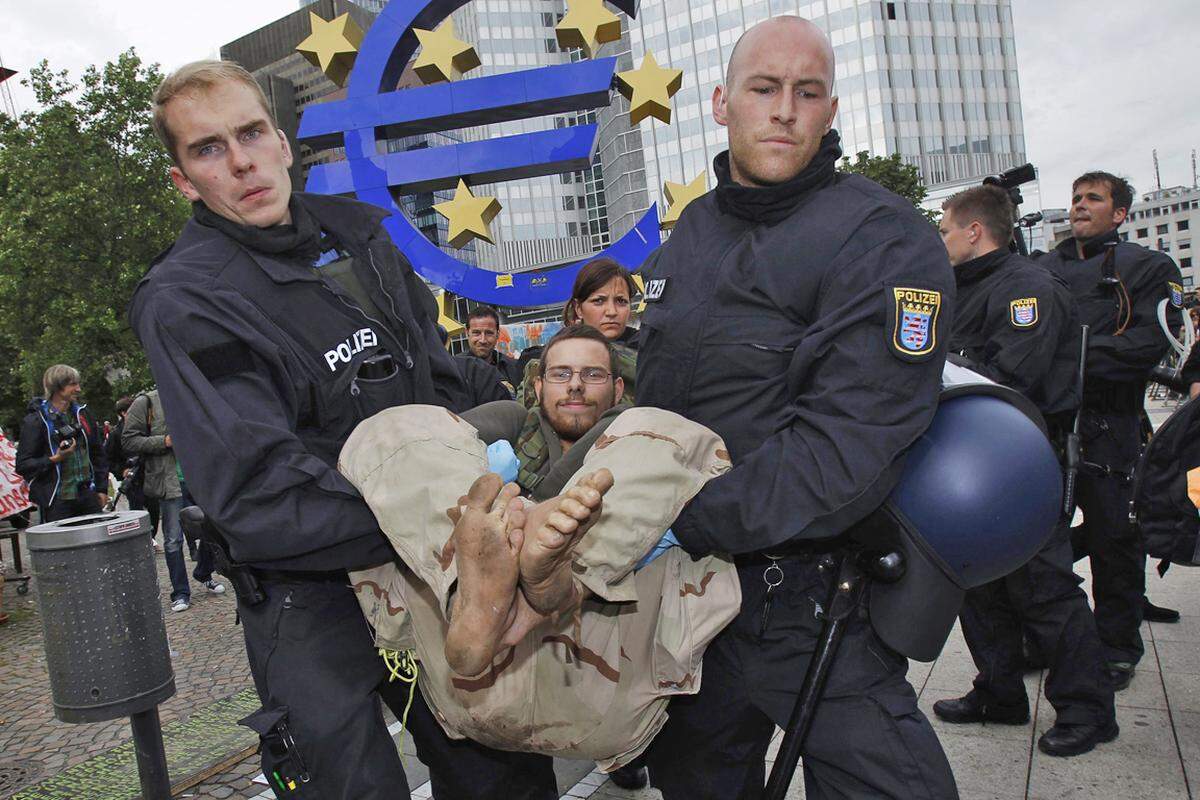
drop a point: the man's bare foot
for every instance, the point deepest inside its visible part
(524, 620)
(555, 527)
(487, 547)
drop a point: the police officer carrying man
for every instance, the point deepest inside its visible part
(801, 314)
(1017, 324)
(265, 363)
(1118, 287)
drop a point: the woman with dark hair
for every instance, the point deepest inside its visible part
(602, 297)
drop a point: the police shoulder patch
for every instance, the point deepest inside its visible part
(912, 321)
(1023, 312)
(1176, 294)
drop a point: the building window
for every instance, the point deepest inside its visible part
(1187, 280)
(1186, 263)
(1142, 233)
(891, 10)
(1160, 229)
(1182, 225)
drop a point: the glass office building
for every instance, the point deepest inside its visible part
(932, 80)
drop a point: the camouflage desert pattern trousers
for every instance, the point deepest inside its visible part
(592, 685)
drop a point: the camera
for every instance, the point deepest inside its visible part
(1012, 178)
(65, 434)
(1011, 181)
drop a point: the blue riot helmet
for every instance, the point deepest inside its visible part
(980, 493)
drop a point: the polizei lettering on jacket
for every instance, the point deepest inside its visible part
(346, 350)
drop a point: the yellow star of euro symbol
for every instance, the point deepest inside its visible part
(443, 57)
(640, 283)
(445, 318)
(332, 46)
(649, 90)
(679, 195)
(587, 25)
(470, 217)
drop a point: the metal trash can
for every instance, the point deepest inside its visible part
(102, 619)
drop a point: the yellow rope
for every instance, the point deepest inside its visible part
(402, 666)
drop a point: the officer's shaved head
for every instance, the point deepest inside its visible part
(777, 101)
(806, 34)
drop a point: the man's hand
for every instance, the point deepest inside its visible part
(103, 498)
(63, 452)
(1194, 390)
(167, 440)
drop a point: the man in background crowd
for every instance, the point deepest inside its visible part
(145, 435)
(483, 332)
(127, 469)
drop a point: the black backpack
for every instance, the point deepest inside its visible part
(1169, 520)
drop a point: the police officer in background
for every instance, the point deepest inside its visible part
(275, 324)
(1016, 324)
(1118, 287)
(801, 314)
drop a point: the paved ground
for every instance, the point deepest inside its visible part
(1155, 757)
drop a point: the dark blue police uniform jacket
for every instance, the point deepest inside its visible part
(257, 361)
(814, 347)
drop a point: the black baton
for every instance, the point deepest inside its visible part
(1074, 454)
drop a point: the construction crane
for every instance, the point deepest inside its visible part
(10, 108)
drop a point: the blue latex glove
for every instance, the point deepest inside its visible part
(502, 460)
(668, 540)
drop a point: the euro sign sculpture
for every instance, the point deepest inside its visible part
(375, 110)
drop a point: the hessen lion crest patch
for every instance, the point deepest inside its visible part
(912, 322)
(1176, 294)
(1023, 312)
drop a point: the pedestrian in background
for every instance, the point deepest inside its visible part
(60, 454)
(145, 435)
(125, 467)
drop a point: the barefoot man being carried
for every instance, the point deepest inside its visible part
(544, 626)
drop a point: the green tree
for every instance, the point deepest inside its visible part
(893, 174)
(85, 205)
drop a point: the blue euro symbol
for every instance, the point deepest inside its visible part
(374, 110)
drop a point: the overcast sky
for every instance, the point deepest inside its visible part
(1102, 84)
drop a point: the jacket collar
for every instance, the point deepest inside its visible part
(352, 222)
(976, 269)
(1091, 248)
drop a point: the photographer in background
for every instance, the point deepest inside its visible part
(60, 454)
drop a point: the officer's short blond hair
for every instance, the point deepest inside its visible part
(58, 377)
(199, 76)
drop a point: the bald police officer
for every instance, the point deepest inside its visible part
(800, 314)
(1017, 324)
(1118, 286)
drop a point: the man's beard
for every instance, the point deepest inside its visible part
(570, 427)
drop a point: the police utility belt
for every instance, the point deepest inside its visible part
(247, 581)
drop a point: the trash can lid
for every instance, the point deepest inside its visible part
(88, 530)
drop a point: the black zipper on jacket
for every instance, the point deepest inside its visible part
(408, 359)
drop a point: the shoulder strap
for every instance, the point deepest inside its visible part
(149, 410)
